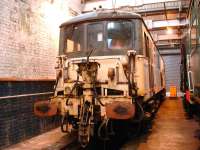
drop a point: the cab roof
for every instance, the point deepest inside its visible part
(102, 14)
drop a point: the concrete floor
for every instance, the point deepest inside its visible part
(52, 140)
(171, 131)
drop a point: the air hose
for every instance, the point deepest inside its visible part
(104, 123)
(96, 95)
(63, 123)
(141, 112)
(70, 93)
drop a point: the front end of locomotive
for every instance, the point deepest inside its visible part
(92, 90)
(95, 76)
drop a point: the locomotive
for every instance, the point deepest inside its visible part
(190, 60)
(108, 69)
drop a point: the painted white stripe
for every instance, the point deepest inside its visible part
(25, 95)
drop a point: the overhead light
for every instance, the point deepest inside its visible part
(54, 14)
(169, 30)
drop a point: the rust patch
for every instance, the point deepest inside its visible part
(120, 110)
(44, 109)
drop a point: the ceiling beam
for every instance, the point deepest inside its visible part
(145, 8)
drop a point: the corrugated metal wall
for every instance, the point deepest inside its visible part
(172, 70)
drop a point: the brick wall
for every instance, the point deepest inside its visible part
(29, 31)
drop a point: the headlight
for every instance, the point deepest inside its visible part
(124, 61)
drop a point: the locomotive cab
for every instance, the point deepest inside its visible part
(106, 42)
(105, 71)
